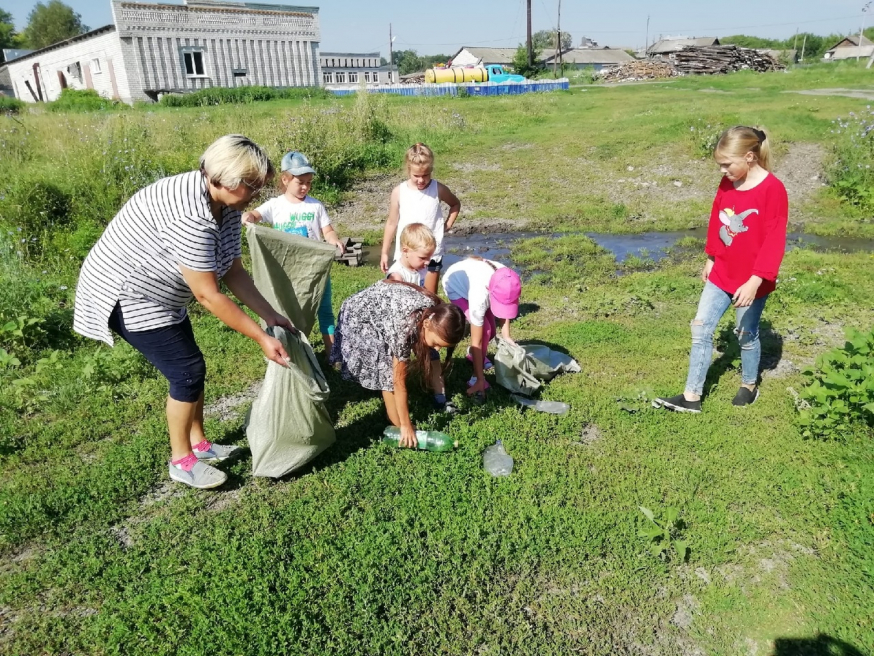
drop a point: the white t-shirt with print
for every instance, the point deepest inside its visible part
(408, 275)
(469, 279)
(307, 218)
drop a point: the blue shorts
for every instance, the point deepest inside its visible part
(172, 350)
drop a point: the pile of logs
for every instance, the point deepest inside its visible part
(639, 70)
(723, 59)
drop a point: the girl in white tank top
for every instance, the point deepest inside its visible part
(418, 200)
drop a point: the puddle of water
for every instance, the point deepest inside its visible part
(648, 245)
(492, 246)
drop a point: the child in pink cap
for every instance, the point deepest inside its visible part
(484, 290)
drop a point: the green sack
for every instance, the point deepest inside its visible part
(522, 368)
(288, 424)
(291, 272)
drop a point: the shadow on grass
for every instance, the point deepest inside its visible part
(726, 342)
(820, 645)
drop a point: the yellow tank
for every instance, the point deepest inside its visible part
(440, 75)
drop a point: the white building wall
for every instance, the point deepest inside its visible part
(105, 48)
(271, 48)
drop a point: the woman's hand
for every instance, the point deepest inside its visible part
(746, 293)
(250, 218)
(277, 319)
(408, 436)
(705, 272)
(383, 262)
(477, 388)
(273, 350)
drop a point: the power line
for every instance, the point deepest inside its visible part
(724, 28)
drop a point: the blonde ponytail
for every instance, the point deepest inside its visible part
(742, 139)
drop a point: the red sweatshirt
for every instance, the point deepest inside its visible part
(747, 234)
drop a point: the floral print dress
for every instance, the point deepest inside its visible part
(376, 325)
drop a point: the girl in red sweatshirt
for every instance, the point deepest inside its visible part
(746, 241)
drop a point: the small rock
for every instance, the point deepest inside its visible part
(815, 177)
(630, 168)
(702, 574)
(677, 183)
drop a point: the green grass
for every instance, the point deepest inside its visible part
(372, 550)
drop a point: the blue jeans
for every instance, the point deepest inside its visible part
(326, 312)
(713, 304)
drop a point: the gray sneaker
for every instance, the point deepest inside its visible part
(217, 453)
(201, 476)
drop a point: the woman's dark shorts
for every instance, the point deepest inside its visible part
(173, 352)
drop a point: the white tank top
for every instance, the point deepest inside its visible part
(416, 206)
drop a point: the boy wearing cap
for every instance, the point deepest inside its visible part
(297, 213)
(484, 290)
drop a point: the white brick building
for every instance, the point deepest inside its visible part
(152, 49)
(351, 68)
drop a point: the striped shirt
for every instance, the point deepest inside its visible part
(136, 261)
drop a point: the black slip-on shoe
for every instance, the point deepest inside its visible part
(678, 404)
(745, 397)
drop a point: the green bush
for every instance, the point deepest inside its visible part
(10, 105)
(241, 95)
(840, 394)
(86, 100)
(849, 172)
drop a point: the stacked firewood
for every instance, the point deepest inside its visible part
(723, 59)
(639, 70)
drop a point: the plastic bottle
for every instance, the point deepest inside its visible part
(427, 440)
(497, 461)
(552, 407)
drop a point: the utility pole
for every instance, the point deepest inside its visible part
(391, 57)
(862, 29)
(803, 43)
(558, 43)
(530, 45)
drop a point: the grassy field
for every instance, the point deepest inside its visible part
(377, 551)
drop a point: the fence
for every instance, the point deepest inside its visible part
(451, 89)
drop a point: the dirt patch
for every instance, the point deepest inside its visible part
(801, 171)
(861, 94)
(589, 435)
(487, 226)
(687, 607)
(228, 407)
(221, 500)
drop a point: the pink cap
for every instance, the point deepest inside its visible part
(505, 288)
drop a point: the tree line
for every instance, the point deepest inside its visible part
(47, 23)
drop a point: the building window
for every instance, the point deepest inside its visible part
(95, 66)
(391, 77)
(367, 76)
(193, 63)
(341, 77)
(375, 76)
(328, 77)
(353, 78)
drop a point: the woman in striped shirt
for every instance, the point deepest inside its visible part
(172, 242)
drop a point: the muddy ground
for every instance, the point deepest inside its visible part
(365, 208)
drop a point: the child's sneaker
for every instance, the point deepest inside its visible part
(745, 397)
(209, 452)
(201, 475)
(487, 364)
(678, 404)
(446, 407)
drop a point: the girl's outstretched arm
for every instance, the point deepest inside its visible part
(400, 413)
(391, 226)
(332, 238)
(450, 199)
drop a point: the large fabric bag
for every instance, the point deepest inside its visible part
(522, 368)
(288, 424)
(291, 272)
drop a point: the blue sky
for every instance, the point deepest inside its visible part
(443, 27)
